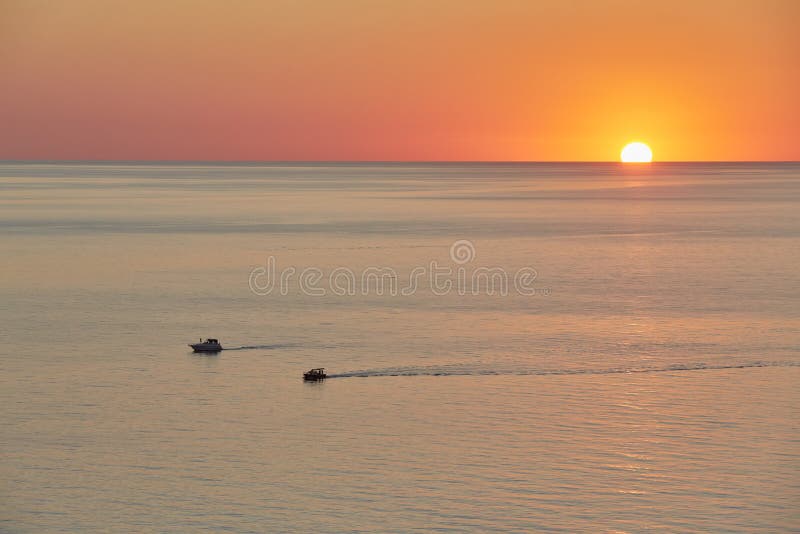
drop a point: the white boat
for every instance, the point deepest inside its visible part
(209, 345)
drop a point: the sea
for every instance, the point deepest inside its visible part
(510, 347)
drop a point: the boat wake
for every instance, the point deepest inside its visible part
(261, 347)
(466, 370)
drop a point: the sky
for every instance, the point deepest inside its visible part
(549, 80)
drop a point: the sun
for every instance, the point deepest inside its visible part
(636, 153)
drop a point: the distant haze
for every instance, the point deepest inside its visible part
(413, 80)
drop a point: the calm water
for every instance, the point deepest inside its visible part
(646, 378)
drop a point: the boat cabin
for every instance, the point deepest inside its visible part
(315, 374)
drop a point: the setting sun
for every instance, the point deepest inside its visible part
(636, 153)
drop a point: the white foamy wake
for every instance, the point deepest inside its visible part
(466, 370)
(260, 347)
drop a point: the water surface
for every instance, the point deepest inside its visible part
(648, 383)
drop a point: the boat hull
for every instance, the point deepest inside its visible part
(206, 347)
(315, 375)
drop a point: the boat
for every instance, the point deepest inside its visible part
(209, 345)
(315, 374)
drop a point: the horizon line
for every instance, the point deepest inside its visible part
(375, 161)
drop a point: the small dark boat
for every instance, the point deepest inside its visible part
(315, 374)
(209, 345)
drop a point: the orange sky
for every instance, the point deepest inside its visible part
(411, 80)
